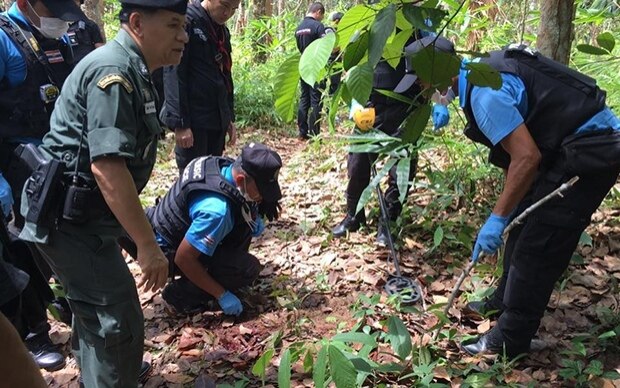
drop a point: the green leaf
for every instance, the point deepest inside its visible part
(580, 348)
(585, 239)
(355, 19)
(403, 169)
(611, 375)
(308, 361)
(285, 88)
(595, 368)
(355, 51)
(314, 59)
(395, 96)
(260, 367)
(342, 370)
(360, 338)
(415, 124)
(481, 74)
(608, 334)
(284, 372)
(365, 197)
(359, 82)
(380, 31)
(607, 41)
(436, 67)
(438, 236)
(399, 337)
(393, 51)
(593, 50)
(320, 367)
(418, 16)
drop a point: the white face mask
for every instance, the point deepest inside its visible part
(51, 28)
(245, 194)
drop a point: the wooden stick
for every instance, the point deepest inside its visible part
(555, 193)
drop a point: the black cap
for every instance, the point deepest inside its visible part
(440, 44)
(178, 6)
(66, 10)
(263, 165)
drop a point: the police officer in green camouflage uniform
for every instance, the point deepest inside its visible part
(105, 128)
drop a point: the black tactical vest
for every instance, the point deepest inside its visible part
(559, 98)
(23, 111)
(170, 218)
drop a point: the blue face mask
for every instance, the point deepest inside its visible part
(463, 82)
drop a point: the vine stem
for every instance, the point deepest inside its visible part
(519, 220)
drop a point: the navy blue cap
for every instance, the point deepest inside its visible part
(263, 165)
(438, 42)
(66, 10)
(177, 6)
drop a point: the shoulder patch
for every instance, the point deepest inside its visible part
(110, 79)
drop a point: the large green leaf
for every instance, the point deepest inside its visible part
(380, 31)
(359, 82)
(399, 337)
(355, 19)
(356, 337)
(436, 67)
(395, 96)
(606, 40)
(365, 197)
(260, 367)
(418, 17)
(481, 74)
(415, 124)
(285, 88)
(320, 368)
(315, 57)
(284, 372)
(356, 50)
(593, 50)
(393, 51)
(342, 370)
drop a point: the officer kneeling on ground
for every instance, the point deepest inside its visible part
(387, 114)
(546, 124)
(205, 224)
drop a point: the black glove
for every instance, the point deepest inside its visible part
(269, 210)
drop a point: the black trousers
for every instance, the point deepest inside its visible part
(539, 251)
(309, 111)
(389, 117)
(359, 167)
(232, 267)
(206, 142)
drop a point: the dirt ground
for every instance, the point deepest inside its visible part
(309, 282)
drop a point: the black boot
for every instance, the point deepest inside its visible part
(483, 309)
(382, 236)
(492, 342)
(45, 353)
(182, 297)
(350, 223)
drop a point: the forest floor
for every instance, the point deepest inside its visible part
(310, 282)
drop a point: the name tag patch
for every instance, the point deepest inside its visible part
(149, 107)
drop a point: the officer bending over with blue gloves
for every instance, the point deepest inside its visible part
(205, 224)
(546, 124)
(387, 115)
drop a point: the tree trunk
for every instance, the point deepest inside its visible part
(94, 11)
(556, 29)
(262, 9)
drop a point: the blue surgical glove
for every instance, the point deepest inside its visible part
(441, 116)
(259, 227)
(230, 304)
(490, 236)
(6, 197)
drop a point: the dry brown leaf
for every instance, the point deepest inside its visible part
(244, 330)
(177, 378)
(484, 326)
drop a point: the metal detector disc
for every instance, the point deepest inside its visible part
(408, 289)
